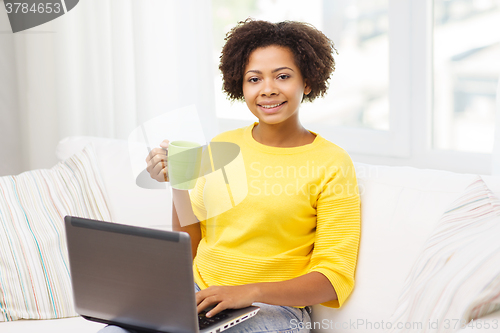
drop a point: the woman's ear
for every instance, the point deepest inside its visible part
(307, 88)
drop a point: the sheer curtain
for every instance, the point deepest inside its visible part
(102, 69)
(495, 167)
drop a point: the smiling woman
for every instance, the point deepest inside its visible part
(293, 240)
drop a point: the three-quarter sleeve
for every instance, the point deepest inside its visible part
(338, 233)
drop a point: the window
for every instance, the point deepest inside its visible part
(466, 71)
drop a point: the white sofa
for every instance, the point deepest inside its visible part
(400, 206)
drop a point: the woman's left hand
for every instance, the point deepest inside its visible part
(226, 297)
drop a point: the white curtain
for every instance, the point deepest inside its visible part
(102, 69)
(495, 165)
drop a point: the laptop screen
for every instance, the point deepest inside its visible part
(132, 276)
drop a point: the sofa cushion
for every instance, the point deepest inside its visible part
(399, 208)
(34, 273)
(456, 277)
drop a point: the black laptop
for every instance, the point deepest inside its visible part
(138, 278)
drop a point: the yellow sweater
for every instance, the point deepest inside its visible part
(301, 213)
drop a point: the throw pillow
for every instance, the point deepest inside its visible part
(34, 272)
(456, 277)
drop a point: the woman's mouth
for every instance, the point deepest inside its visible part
(271, 108)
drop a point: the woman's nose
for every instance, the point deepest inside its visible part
(269, 88)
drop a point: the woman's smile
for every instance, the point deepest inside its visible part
(271, 108)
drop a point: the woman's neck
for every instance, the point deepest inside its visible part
(281, 135)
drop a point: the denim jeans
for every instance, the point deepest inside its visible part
(270, 318)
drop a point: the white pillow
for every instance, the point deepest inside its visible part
(34, 273)
(456, 277)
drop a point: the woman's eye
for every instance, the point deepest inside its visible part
(253, 79)
(283, 76)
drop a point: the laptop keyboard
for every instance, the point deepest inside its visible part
(205, 321)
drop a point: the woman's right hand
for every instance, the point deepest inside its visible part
(157, 162)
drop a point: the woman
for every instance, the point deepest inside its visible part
(293, 241)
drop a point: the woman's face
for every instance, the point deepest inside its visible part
(273, 85)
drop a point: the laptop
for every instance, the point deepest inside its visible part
(138, 278)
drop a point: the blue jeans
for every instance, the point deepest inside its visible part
(270, 318)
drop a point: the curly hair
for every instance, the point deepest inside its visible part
(312, 50)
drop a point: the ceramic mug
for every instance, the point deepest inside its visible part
(184, 160)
